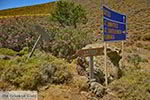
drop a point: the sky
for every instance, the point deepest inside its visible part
(6, 4)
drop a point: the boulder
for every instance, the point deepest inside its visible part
(97, 89)
(113, 63)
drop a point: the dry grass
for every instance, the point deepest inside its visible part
(61, 92)
(42, 9)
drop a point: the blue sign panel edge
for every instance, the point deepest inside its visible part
(114, 15)
(118, 37)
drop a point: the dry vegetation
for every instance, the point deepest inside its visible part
(34, 10)
(134, 85)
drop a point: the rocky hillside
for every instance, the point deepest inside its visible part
(138, 13)
(59, 79)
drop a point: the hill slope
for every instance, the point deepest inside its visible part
(36, 9)
(17, 32)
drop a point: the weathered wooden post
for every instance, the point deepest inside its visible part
(91, 67)
(105, 53)
(33, 49)
(91, 52)
(122, 54)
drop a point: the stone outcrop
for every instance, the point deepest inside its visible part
(113, 64)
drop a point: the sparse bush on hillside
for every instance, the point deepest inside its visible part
(63, 41)
(32, 73)
(68, 40)
(135, 85)
(69, 14)
(12, 74)
(16, 33)
(146, 37)
(135, 59)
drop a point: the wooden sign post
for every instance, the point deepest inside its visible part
(114, 29)
(122, 54)
(33, 49)
(90, 53)
(105, 53)
(91, 67)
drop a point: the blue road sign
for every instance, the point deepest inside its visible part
(115, 25)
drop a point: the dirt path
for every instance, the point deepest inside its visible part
(61, 92)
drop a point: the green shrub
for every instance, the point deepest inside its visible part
(31, 80)
(3, 64)
(135, 59)
(24, 51)
(68, 40)
(61, 74)
(9, 52)
(30, 74)
(135, 85)
(12, 75)
(69, 14)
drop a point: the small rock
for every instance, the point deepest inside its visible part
(97, 89)
(84, 93)
(92, 80)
